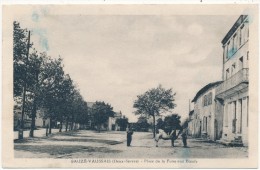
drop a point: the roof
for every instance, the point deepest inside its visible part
(206, 88)
(239, 21)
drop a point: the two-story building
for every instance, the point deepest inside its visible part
(206, 122)
(233, 92)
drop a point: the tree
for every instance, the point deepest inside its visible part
(142, 124)
(41, 84)
(160, 124)
(35, 66)
(80, 111)
(172, 122)
(58, 99)
(20, 52)
(101, 112)
(21, 46)
(83, 116)
(154, 102)
(122, 123)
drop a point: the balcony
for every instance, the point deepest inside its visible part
(234, 84)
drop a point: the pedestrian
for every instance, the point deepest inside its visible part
(129, 133)
(184, 137)
(174, 137)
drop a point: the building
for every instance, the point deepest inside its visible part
(109, 125)
(233, 92)
(40, 122)
(205, 121)
(112, 125)
(191, 123)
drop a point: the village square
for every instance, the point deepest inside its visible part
(54, 118)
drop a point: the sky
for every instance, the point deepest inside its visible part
(114, 58)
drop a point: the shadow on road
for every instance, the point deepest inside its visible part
(64, 149)
(109, 142)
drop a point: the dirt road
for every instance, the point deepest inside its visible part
(90, 144)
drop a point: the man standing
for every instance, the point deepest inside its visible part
(184, 137)
(129, 133)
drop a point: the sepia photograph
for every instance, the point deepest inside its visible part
(137, 86)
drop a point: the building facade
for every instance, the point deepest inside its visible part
(233, 92)
(112, 125)
(205, 122)
(192, 124)
(40, 122)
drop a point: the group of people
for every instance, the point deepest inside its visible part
(129, 133)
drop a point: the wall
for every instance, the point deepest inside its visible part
(207, 122)
(241, 50)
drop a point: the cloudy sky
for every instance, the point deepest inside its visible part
(114, 58)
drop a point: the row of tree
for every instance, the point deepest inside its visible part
(40, 83)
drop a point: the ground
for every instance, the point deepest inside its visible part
(91, 144)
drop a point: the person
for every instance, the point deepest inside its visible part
(174, 137)
(184, 137)
(129, 133)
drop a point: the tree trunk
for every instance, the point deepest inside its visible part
(47, 130)
(71, 126)
(60, 126)
(67, 124)
(33, 118)
(153, 126)
(74, 126)
(99, 127)
(50, 127)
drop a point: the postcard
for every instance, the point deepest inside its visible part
(130, 86)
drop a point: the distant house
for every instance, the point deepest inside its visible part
(112, 125)
(40, 122)
(109, 125)
(206, 121)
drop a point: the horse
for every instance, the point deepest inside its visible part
(163, 135)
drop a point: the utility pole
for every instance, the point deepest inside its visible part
(20, 135)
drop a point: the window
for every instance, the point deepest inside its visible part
(234, 45)
(210, 98)
(224, 51)
(205, 124)
(227, 73)
(240, 37)
(242, 34)
(203, 127)
(247, 56)
(205, 100)
(227, 55)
